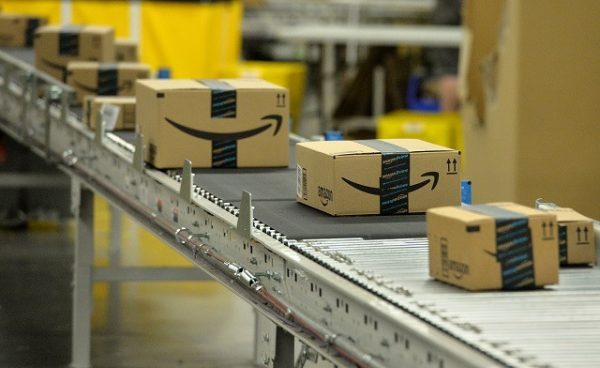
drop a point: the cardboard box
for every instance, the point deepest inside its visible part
(388, 176)
(576, 238)
(125, 119)
(56, 46)
(493, 246)
(213, 123)
(126, 50)
(18, 30)
(530, 101)
(92, 78)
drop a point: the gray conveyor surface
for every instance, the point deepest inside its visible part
(557, 326)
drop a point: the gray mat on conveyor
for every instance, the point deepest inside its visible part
(274, 199)
(297, 221)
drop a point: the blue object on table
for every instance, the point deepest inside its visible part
(414, 102)
(333, 135)
(163, 73)
(465, 191)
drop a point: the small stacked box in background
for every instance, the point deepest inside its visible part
(89, 59)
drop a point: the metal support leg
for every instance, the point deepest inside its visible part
(114, 260)
(378, 91)
(328, 94)
(284, 349)
(264, 341)
(82, 201)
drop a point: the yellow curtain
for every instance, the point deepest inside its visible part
(47, 8)
(102, 12)
(194, 40)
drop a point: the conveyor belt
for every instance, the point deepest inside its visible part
(558, 326)
(274, 199)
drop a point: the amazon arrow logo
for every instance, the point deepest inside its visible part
(212, 136)
(224, 145)
(106, 90)
(377, 191)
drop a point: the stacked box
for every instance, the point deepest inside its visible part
(126, 50)
(18, 30)
(56, 46)
(104, 79)
(576, 237)
(126, 108)
(493, 246)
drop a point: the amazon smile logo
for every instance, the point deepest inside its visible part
(433, 177)
(224, 145)
(234, 136)
(108, 90)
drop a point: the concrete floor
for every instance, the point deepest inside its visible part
(198, 324)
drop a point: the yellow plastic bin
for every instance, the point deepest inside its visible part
(439, 128)
(291, 75)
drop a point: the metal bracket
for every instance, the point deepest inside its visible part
(99, 137)
(8, 68)
(138, 154)
(64, 105)
(246, 217)
(187, 182)
(53, 94)
(306, 354)
(183, 235)
(75, 195)
(27, 88)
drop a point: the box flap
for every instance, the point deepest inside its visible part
(89, 65)
(251, 84)
(374, 146)
(459, 214)
(416, 145)
(339, 148)
(568, 215)
(514, 207)
(172, 84)
(113, 99)
(131, 65)
(74, 27)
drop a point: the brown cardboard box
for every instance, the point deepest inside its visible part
(126, 50)
(213, 123)
(388, 176)
(124, 121)
(56, 46)
(530, 101)
(17, 30)
(576, 240)
(493, 246)
(92, 78)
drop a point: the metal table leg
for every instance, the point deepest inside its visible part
(114, 261)
(284, 349)
(82, 205)
(328, 96)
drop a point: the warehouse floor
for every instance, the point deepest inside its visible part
(198, 324)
